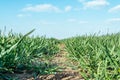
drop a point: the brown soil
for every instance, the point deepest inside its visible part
(61, 60)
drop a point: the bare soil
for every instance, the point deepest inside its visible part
(67, 72)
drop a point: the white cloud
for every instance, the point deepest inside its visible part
(95, 4)
(42, 8)
(115, 9)
(113, 20)
(68, 8)
(23, 15)
(20, 15)
(47, 22)
(77, 21)
(83, 22)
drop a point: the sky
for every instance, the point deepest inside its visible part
(60, 18)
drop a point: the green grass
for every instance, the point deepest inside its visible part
(97, 56)
(20, 52)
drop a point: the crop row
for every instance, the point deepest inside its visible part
(19, 52)
(98, 57)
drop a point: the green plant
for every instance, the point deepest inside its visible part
(97, 56)
(20, 52)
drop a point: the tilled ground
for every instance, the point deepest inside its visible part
(67, 72)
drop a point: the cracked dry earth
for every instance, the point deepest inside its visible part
(61, 60)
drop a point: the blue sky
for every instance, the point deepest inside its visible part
(60, 18)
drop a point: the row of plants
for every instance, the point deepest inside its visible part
(23, 52)
(98, 57)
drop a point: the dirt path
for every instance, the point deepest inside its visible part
(67, 72)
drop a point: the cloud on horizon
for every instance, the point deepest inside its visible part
(73, 20)
(114, 20)
(46, 22)
(115, 9)
(94, 3)
(42, 8)
(23, 15)
(68, 8)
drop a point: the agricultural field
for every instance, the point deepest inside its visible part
(98, 57)
(21, 53)
(78, 58)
